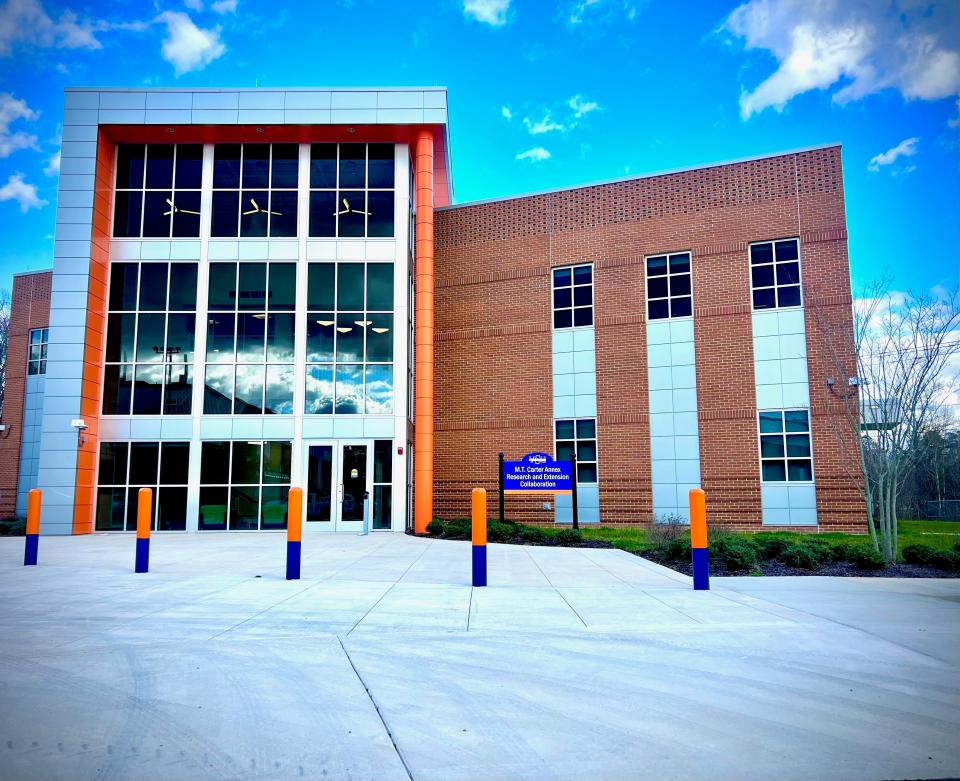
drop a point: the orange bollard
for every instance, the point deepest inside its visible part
(144, 521)
(699, 547)
(479, 534)
(294, 532)
(33, 528)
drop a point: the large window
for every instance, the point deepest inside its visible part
(669, 288)
(126, 467)
(37, 355)
(578, 436)
(151, 322)
(158, 190)
(350, 335)
(250, 338)
(775, 274)
(244, 485)
(785, 454)
(255, 190)
(351, 190)
(573, 296)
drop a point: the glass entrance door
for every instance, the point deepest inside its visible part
(319, 501)
(354, 484)
(338, 485)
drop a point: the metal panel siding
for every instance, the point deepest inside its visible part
(169, 100)
(214, 117)
(80, 100)
(261, 100)
(168, 116)
(410, 100)
(353, 100)
(216, 100)
(307, 100)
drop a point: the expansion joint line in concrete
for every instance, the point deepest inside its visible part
(376, 707)
(550, 583)
(384, 594)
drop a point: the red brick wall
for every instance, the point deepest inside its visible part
(493, 340)
(30, 308)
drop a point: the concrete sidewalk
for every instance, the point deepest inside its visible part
(383, 662)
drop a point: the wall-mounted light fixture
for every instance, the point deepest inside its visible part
(80, 425)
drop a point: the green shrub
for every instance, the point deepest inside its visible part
(569, 537)
(944, 559)
(845, 551)
(956, 547)
(918, 554)
(533, 534)
(13, 528)
(797, 554)
(458, 529)
(501, 532)
(823, 547)
(864, 557)
(435, 528)
(771, 547)
(736, 553)
(677, 549)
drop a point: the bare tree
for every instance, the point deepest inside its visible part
(906, 347)
(4, 333)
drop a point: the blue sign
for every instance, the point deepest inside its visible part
(538, 473)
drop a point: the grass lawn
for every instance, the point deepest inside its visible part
(936, 534)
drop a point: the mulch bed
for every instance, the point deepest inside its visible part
(836, 570)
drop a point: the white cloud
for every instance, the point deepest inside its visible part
(581, 11)
(536, 155)
(188, 47)
(906, 148)
(541, 126)
(492, 12)
(193, 5)
(581, 107)
(52, 168)
(506, 113)
(23, 193)
(225, 6)
(25, 22)
(955, 122)
(858, 47)
(11, 110)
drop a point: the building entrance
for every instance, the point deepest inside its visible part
(339, 485)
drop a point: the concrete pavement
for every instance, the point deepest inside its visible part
(383, 662)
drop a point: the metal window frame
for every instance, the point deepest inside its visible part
(669, 297)
(773, 264)
(783, 435)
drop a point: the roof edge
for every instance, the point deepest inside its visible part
(257, 89)
(617, 180)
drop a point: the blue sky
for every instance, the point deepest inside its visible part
(544, 94)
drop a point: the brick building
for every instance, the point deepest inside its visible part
(23, 390)
(707, 298)
(254, 289)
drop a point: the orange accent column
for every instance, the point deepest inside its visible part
(423, 335)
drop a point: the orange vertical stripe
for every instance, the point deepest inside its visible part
(85, 492)
(423, 334)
